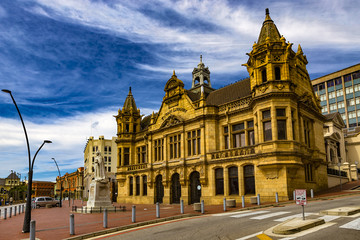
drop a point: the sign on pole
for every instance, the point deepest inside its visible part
(300, 196)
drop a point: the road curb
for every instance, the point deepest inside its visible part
(134, 225)
(296, 225)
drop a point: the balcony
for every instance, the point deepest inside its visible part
(234, 152)
(137, 167)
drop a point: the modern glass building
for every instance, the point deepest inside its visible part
(340, 92)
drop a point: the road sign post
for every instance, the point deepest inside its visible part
(300, 198)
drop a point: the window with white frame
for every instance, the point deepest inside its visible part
(352, 114)
(341, 104)
(349, 90)
(357, 87)
(333, 107)
(323, 97)
(339, 93)
(331, 95)
(324, 109)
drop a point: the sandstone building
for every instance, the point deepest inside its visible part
(261, 135)
(107, 147)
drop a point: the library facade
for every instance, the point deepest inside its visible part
(260, 135)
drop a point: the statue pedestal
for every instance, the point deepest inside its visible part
(99, 195)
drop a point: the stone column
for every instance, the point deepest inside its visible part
(226, 182)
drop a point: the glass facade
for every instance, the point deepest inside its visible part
(341, 94)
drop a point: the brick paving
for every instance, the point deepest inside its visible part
(53, 223)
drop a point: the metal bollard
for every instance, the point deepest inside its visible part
(23, 208)
(202, 207)
(72, 224)
(224, 204)
(0, 213)
(133, 214)
(105, 218)
(312, 193)
(294, 195)
(10, 212)
(258, 199)
(15, 210)
(277, 197)
(19, 209)
(157, 210)
(5, 213)
(243, 201)
(182, 206)
(32, 230)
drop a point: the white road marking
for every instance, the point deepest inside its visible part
(329, 218)
(292, 216)
(269, 215)
(229, 213)
(248, 214)
(352, 225)
(249, 236)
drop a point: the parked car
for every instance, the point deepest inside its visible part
(43, 201)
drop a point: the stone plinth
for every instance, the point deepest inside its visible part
(231, 203)
(99, 195)
(197, 207)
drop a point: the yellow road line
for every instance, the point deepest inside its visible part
(263, 236)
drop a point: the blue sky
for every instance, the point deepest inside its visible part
(70, 63)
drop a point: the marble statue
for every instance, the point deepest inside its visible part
(99, 167)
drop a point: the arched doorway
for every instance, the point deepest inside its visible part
(175, 188)
(195, 187)
(159, 188)
(249, 179)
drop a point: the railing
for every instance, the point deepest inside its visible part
(85, 209)
(332, 171)
(234, 152)
(137, 167)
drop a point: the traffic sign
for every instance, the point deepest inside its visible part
(300, 196)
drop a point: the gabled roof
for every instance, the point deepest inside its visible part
(12, 176)
(229, 93)
(335, 118)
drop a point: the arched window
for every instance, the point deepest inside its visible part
(332, 156)
(249, 179)
(277, 73)
(219, 181)
(144, 185)
(263, 75)
(233, 181)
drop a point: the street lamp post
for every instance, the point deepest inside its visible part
(27, 217)
(339, 164)
(357, 175)
(59, 179)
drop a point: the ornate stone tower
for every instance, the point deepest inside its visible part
(274, 67)
(201, 79)
(128, 118)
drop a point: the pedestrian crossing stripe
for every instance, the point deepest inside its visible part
(269, 215)
(248, 214)
(283, 219)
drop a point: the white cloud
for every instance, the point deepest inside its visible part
(68, 136)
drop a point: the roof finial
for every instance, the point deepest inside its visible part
(129, 89)
(200, 58)
(174, 72)
(267, 11)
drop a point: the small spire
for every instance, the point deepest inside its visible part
(299, 51)
(267, 14)
(129, 89)
(200, 58)
(174, 72)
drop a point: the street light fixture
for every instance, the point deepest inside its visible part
(59, 179)
(27, 217)
(357, 175)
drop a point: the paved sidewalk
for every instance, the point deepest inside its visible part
(53, 223)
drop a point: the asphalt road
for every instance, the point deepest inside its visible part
(249, 224)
